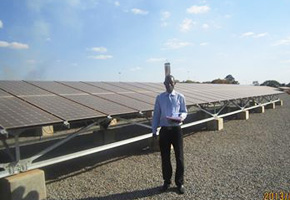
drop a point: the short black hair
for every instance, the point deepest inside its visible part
(170, 77)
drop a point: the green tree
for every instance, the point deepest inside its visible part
(271, 83)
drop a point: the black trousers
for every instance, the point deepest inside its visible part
(168, 136)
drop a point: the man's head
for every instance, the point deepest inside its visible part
(169, 83)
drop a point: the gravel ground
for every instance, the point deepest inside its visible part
(244, 161)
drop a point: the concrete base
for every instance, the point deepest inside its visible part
(279, 103)
(243, 115)
(47, 130)
(216, 124)
(271, 106)
(260, 109)
(29, 185)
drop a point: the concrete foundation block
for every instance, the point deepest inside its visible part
(271, 106)
(216, 124)
(279, 103)
(260, 109)
(29, 185)
(244, 115)
(47, 130)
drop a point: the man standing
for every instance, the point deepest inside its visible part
(169, 112)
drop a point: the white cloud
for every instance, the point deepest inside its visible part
(101, 57)
(99, 49)
(186, 25)
(260, 35)
(198, 9)
(283, 42)
(135, 69)
(205, 26)
(137, 11)
(204, 44)
(31, 61)
(164, 24)
(175, 44)
(247, 34)
(156, 60)
(1, 24)
(13, 45)
(117, 3)
(254, 35)
(285, 61)
(4, 44)
(164, 17)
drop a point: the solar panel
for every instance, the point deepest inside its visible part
(85, 87)
(145, 87)
(21, 88)
(127, 101)
(15, 113)
(157, 86)
(141, 97)
(55, 87)
(63, 108)
(102, 105)
(129, 87)
(4, 94)
(107, 86)
(200, 96)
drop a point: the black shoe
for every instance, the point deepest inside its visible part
(181, 189)
(164, 187)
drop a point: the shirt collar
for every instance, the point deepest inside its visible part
(172, 93)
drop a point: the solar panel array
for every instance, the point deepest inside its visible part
(36, 103)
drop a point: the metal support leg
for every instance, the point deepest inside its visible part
(17, 148)
(61, 142)
(8, 151)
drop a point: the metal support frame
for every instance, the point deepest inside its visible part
(27, 164)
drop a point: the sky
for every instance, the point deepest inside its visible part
(130, 40)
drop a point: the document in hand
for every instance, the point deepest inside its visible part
(177, 119)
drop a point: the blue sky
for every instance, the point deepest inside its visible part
(129, 40)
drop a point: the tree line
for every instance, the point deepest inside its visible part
(229, 79)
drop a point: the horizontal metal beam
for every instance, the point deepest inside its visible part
(87, 152)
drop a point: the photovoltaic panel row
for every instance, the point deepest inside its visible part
(140, 97)
(55, 87)
(225, 92)
(63, 108)
(128, 87)
(211, 94)
(106, 86)
(4, 94)
(106, 107)
(85, 87)
(102, 105)
(64, 90)
(15, 113)
(200, 97)
(156, 86)
(21, 88)
(145, 86)
(126, 97)
(127, 101)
